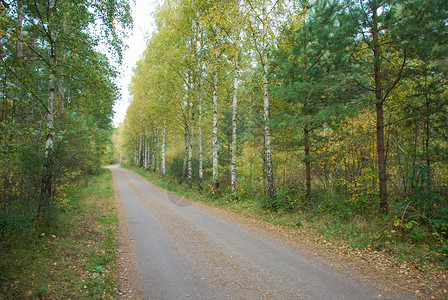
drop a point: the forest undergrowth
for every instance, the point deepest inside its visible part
(72, 255)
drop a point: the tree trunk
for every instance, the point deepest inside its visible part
(140, 151)
(190, 152)
(142, 154)
(379, 115)
(5, 111)
(381, 158)
(149, 152)
(306, 135)
(146, 152)
(427, 134)
(267, 136)
(184, 169)
(19, 29)
(6, 182)
(47, 178)
(215, 128)
(201, 149)
(162, 167)
(153, 154)
(234, 127)
(143, 149)
(155, 148)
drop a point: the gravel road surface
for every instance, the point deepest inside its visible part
(183, 251)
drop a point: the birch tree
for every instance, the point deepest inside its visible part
(215, 24)
(233, 30)
(259, 22)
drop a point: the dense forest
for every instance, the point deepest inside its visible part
(59, 61)
(329, 107)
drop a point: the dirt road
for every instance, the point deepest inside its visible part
(182, 250)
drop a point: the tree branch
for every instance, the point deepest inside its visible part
(399, 76)
(24, 84)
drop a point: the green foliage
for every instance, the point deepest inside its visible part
(34, 34)
(426, 211)
(74, 257)
(339, 206)
(286, 199)
(176, 167)
(18, 220)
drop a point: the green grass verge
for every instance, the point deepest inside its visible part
(74, 256)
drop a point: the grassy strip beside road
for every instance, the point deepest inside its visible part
(74, 257)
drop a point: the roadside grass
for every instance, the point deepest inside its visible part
(370, 236)
(169, 185)
(71, 258)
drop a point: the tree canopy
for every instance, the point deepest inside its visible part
(57, 94)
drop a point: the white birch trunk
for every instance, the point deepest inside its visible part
(234, 127)
(153, 156)
(267, 136)
(47, 177)
(149, 152)
(184, 167)
(201, 149)
(50, 116)
(163, 167)
(140, 151)
(145, 162)
(156, 147)
(215, 127)
(144, 152)
(190, 151)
